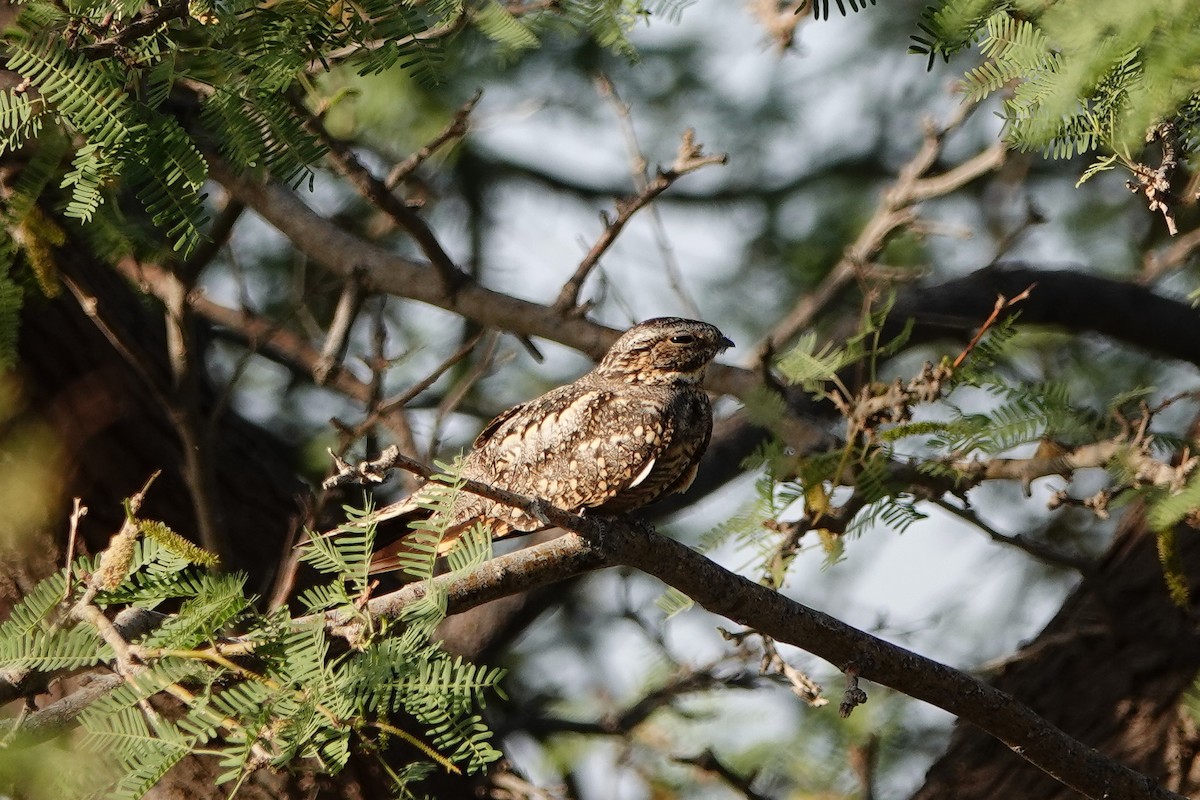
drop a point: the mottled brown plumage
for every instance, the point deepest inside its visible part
(623, 435)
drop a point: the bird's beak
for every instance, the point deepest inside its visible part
(726, 343)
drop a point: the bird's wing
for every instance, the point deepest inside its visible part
(577, 447)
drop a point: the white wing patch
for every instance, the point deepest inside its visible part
(645, 473)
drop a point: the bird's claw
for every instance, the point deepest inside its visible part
(537, 509)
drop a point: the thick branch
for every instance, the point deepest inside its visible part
(1067, 298)
(341, 252)
(754, 605)
(594, 545)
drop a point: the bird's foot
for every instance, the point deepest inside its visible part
(537, 509)
(640, 524)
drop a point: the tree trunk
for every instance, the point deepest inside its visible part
(1110, 669)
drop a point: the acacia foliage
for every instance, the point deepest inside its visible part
(220, 679)
(1080, 76)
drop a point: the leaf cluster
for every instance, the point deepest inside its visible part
(219, 679)
(124, 102)
(1080, 76)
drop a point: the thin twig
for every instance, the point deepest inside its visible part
(708, 762)
(1041, 552)
(260, 335)
(771, 663)
(1002, 304)
(459, 391)
(456, 129)
(404, 398)
(691, 157)
(78, 510)
(896, 209)
(460, 20)
(338, 335)
(863, 759)
(637, 169)
(374, 190)
(183, 409)
(1156, 263)
(218, 236)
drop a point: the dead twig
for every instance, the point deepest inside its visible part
(691, 157)
(896, 209)
(405, 397)
(771, 663)
(853, 696)
(458, 392)
(1002, 303)
(1155, 183)
(637, 169)
(78, 510)
(456, 129)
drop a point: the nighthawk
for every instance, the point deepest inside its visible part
(624, 435)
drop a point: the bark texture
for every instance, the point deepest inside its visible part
(1110, 669)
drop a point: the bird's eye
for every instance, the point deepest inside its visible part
(683, 338)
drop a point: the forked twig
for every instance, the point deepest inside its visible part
(1002, 303)
(690, 158)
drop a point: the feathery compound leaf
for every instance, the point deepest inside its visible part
(1170, 510)
(499, 25)
(472, 549)
(347, 553)
(951, 26)
(203, 617)
(804, 364)
(38, 636)
(79, 91)
(21, 117)
(92, 170)
(673, 602)
(175, 544)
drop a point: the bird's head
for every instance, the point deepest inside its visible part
(663, 350)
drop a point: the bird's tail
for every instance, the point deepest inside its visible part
(406, 544)
(401, 544)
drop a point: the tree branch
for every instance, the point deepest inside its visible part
(895, 210)
(746, 602)
(593, 544)
(690, 158)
